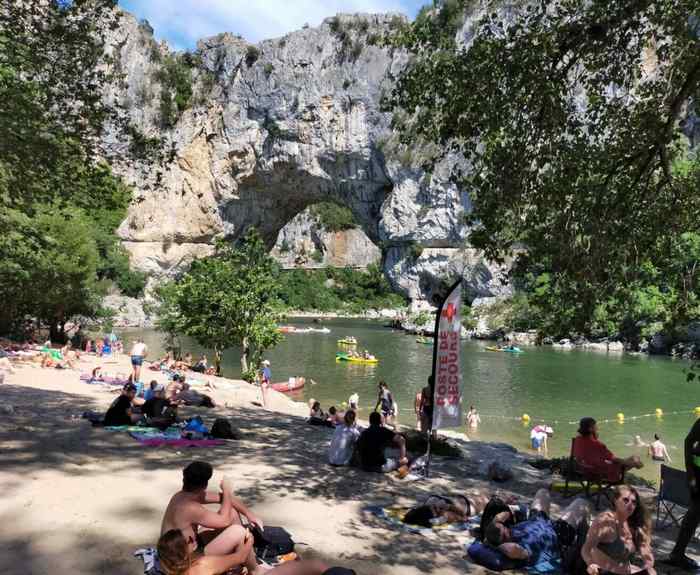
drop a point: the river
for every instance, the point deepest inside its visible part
(553, 386)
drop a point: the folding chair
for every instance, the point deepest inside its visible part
(590, 482)
(673, 493)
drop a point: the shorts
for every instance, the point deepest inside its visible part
(136, 360)
(537, 442)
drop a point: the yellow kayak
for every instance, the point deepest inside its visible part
(349, 358)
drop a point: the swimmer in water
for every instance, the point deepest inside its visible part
(658, 452)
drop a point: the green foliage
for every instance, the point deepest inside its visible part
(317, 256)
(268, 69)
(337, 289)
(48, 265)
(51, 89)
(141, 146)
(335, 25)
(586, 177)
(415, 250)
(251, 55)
(226, 300)
(175, 77)
(333, 217)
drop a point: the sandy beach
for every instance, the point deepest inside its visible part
(79, 500)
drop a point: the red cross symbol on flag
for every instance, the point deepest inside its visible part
(450, 312)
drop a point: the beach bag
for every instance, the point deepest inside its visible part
(222, 429)
(272, 542)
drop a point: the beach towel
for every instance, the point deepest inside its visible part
(151, 440)
(149, 556)
(172, 432)
(87, 378)
(395, 515)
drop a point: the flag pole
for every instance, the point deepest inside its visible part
(431, 378)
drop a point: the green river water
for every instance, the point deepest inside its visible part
(552, 386)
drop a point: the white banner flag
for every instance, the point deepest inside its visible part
(447, 365)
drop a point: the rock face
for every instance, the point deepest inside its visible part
(270, 130)
(305, 243)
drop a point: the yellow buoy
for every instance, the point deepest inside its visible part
(526, 417)
(697, 410)
(659, 412)
(344, 404)
(620, 417)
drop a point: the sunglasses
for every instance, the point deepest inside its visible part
(628, 500)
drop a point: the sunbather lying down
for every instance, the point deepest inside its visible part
(438, 509)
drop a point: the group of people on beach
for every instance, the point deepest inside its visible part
(195, 540)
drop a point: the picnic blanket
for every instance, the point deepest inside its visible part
(395, 515)
(172, 432)
(87, 378)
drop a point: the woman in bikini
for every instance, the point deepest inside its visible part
(177, 558)
(619, 541)
(437, 509)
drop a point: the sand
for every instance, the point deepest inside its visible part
(78, 499)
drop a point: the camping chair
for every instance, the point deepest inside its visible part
(589, 482)
(673, 492)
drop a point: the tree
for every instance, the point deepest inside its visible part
(48, 267)
(51, 79)
(226, 300)
(569, 118)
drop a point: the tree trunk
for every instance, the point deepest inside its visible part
(244, 355)
(217, 360)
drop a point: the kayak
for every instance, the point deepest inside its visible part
(425, 341)
(505, 349)
(293, 384)
(346, 357)
(347, 342)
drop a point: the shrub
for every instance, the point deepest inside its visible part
(335, 25)
(251, 55)
(333, 217)
(142, 147)
(415, 250)
(268, 68)
(317, 256)
(346, 84)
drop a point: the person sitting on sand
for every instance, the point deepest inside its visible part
(345, 437)
(177, 558)
(316, 412)
(657, 450)
(158, 410)
(205, 531)
(539, 538)
(593, 456)
(201, 365)
(334, 416)
(151, 391)
(437, 509)
(372, 443)
(189, 396)
(120, 413)
(616, 537)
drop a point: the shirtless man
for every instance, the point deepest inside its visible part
(211, 532)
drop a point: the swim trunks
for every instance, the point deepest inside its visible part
(136, 360)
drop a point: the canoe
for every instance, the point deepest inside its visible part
(505, 350)
(346, 357)
(293, 384)
(347, 342)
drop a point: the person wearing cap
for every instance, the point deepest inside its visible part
(120, 413)
(593, 455)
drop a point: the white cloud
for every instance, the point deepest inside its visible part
(183, 22)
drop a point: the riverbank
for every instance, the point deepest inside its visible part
(80, 499)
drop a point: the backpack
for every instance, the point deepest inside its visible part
(222, 429)
(570, 544)
(272, 542)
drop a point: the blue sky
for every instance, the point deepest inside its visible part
(182, 22)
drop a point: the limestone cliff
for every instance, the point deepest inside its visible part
(270, 130)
